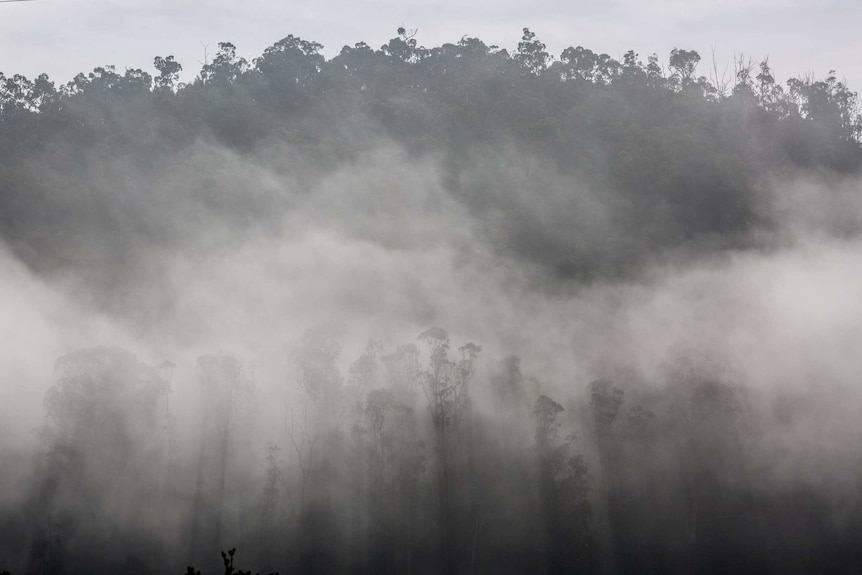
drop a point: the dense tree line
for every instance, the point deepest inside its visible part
(676, 159)
(412, 463)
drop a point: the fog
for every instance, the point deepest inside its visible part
(262, 271)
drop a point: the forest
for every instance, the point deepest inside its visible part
(409, 310)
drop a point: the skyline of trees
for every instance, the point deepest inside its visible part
(678, 161)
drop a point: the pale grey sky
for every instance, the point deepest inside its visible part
(64, 37)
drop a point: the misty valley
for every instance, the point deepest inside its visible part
(411, 310)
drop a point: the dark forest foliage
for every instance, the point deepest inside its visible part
(412, 460)
(680, 158)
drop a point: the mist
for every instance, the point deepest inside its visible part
(352, 315)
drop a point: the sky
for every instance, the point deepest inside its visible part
(65, 37)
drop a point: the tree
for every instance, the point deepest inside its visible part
(532, 55)
(770, 94)
(654, 72)
(318, 375)
(683, 63)
(275, 495)
(169, 72)
(228, 388)
(445, 385)
(828, 102)
(509, 389)
(317, 434)
(564, 485)
(102, 444)
(103, 404)
(290, 69)
(585, 66)
(225, 68)
(605, 401)
(547, 427)
(402, 47)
